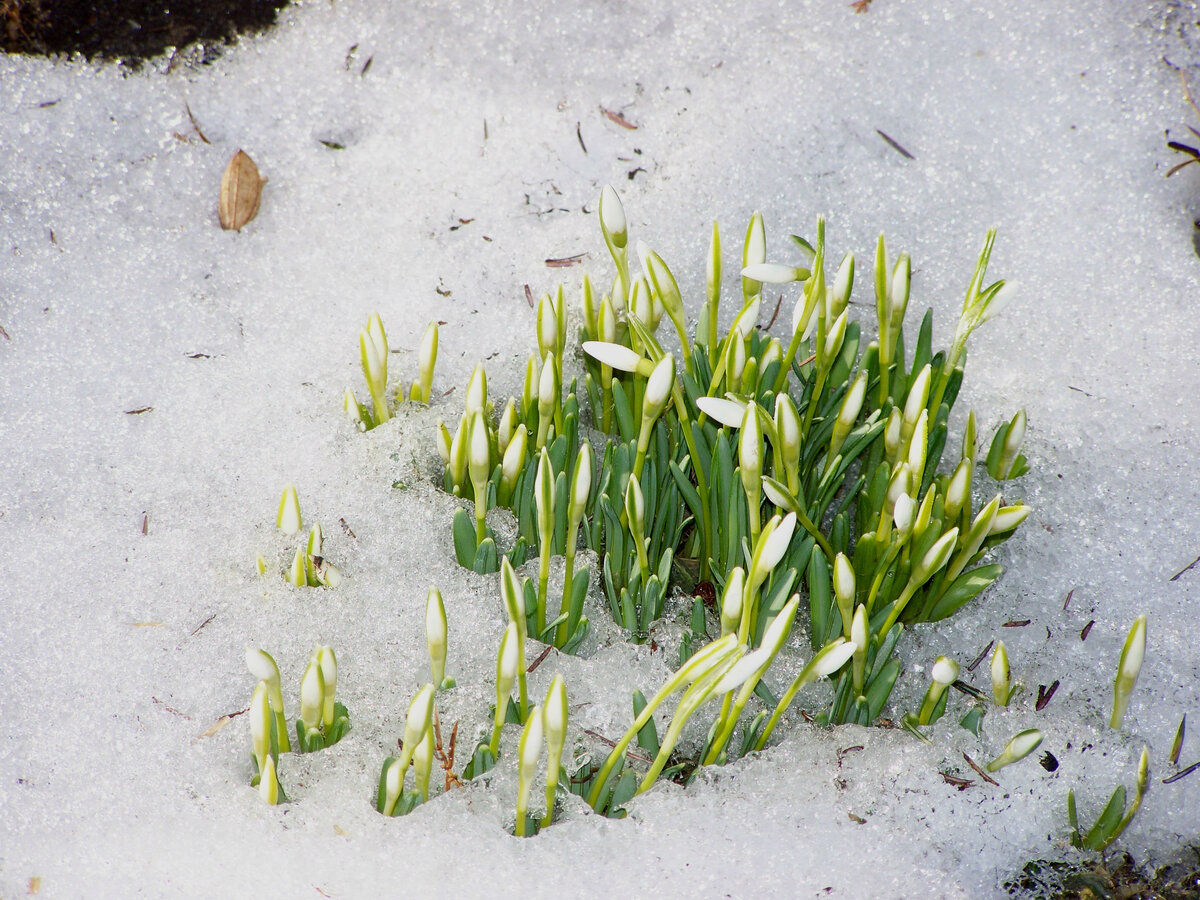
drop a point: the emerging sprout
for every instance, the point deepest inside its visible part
(288, 519)
(1016, 749)
(1128, 670)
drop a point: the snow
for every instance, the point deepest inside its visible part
(119, 649)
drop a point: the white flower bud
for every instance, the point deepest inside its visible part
(774, 273)
(612, 218)
(617, 356)
(288, 519)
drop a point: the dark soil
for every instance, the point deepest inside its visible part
(129, 30)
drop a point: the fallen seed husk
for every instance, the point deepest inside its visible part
(241, 192)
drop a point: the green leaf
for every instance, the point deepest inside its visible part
(820, 598)
(464, 539)
(622, 793)
(879, 688)
(482, 761)
(486, 559)
(647, 737)
(1100, 834)
(973, 721)
(964, 588)
(381, 792)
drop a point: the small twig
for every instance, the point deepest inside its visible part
(978, 771)
(1086, 630)
(171, 710)
(774, 315)
(1182, 773)
(895, 146)
(1186, 568)
(1016, 623)
(445, 757)
(563, 261)
(975, 665)
(139, 411)
(619, 119)
(145, 523)
(961, 783)
(579, 134)
(540, 659)
(1044, 695)
(610, 743)
(1070, 594)
(202, 624)
(192, 119)
(529, 296)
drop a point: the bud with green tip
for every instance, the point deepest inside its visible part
(288, 518)
(847, 415)
(507, 662)
(844, 588)
(1002, 690)
(373, 353)
(787, 430)
(506, 428)
(1004, 459)
(328, 662)
(477, 391)
(547, 326)
(513, 464)
(618, 356)
(1017, 749)
(774, 273)
(426, 361)
(859, 636)
(944, 674)
(554, 720)
(354, 410)
(393, 781)
(435, 638)
(732, 601)
(312, 705)
(958, 491)
(262, 666)
(1128, 670)
(268, 784)
(260, 727)
(547, 404)
(422, 764)
(918, 397)
(754, 251)
(1008, 518)
(529, 751)
(479, 466)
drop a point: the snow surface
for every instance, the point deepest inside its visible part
(1046, 120)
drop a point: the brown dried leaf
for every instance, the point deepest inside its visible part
(241, 192)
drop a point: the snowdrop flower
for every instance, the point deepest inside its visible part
(723, 410)
(774, 273)
(617, 356)
(1128, 670)
(373, 351)
(902, 515)
(658, 389)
